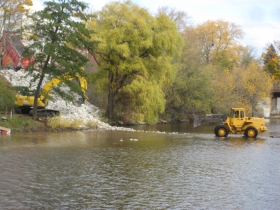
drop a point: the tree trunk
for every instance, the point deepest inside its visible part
(110, 105)
(110, 102)
(36, 96)
(37, 92)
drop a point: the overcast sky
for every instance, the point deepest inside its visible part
(258, 19)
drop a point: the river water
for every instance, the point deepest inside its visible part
(178, 167)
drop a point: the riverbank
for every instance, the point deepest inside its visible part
(25, 123)
(83, 115)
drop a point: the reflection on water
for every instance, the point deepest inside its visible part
(95, 170)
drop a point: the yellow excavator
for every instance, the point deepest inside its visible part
(25, 100)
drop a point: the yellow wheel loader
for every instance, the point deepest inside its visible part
(237, 123)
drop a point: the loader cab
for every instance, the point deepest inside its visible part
(237, 117)
(237, 113)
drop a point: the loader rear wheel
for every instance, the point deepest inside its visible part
(221, 131)
(251, 132)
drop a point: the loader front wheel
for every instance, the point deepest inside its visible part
(221, 131)
(251, 132)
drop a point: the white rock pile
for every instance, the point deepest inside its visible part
(86, 113)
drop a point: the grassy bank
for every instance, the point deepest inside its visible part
(21, 123)
(25, 123)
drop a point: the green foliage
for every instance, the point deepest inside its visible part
(7, 97)
(141, 101)
(59, 36)
(19, 122)
(97, 89)
(135, 53)
(23, 90)
(216, 73)
(191, 92)
(222, 61)
(142, 70)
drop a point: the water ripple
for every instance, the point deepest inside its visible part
(159, 171)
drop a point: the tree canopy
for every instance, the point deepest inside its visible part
(146, 65)
(271, 61)
(135, 56)
(216, 72)
(241, 87)
(59, 38)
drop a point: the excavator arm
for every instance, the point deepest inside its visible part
(25, 103)
(55, 81)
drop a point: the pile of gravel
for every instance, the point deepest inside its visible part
(87, 113)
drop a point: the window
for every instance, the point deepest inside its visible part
(236, 115)
(242, 114)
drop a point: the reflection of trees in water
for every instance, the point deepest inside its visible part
(273, 127)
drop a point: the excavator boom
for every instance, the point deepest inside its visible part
(55, 81)
(25, 102)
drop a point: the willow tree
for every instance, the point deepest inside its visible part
(59, 37)
(135, 56)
